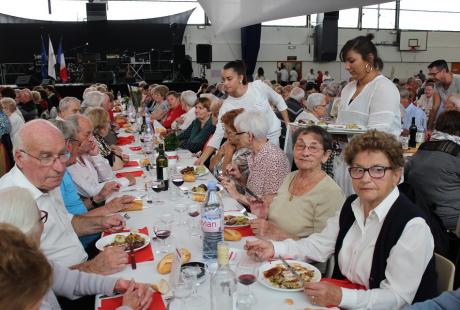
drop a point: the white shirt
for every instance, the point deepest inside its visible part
(256, 98)
(420, 117)
(188, 118)
(293, 76)
(311, 77)
(91, 175)
(405, 266)
(306, 116)
(376, 107)
(16, 121)
(59, 242)
(284, 75)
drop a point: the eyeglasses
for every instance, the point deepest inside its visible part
(376, 172)
(72, 140)
(49, 160)
(43, 216)
(311, 148)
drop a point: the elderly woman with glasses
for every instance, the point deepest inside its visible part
(29, 281)
(382, 245)
(267, 163)
(307, 198)
(315, 108)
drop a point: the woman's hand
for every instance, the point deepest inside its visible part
(125, 157)
(258, 207)
(323, 293)
(260, 250)
(229, 186)
(233, 171)
(137, 296)
(261, 228)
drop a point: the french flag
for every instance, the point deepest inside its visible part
(61, 62)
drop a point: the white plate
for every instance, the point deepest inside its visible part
(266, 266)
(198, 175)
(104, 241)
(236, 213)
(344, 127)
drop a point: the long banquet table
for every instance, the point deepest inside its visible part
(146, 271)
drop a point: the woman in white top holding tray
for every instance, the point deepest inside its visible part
(253, 96)
(370, 100)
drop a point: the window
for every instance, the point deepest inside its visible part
(424, 15)
(292, 21)
(379, 16)
(348, 18)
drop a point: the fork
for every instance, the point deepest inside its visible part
(132, 258)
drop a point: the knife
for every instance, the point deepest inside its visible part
(289, 267)
(132, 258)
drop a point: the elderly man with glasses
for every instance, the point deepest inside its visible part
(40, 155)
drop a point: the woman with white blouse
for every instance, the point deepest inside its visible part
(382, 244)
(370, 100)
(255, 96)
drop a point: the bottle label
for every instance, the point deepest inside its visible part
(165, 173)
(211, 223)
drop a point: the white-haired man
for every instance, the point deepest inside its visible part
(68, 106)
(40, 155)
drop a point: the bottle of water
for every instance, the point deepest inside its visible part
(223, 282)
(212, 222)
(53, 113)
(119, 96)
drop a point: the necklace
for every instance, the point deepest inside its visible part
(306, 187)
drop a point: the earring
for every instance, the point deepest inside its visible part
(241, 82)
(369, 68)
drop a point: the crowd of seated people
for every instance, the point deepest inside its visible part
(64, 164)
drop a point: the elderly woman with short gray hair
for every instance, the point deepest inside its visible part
(315, 108)
(16, 119)
(268, 164)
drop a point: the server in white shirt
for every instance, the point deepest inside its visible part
(370, 100)
(380, 240)
(40, 156)
(253, 96)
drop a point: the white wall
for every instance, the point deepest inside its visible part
(275, 41)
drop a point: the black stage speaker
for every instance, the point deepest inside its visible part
(105, 77)
(153, 76)
(326, 36)
(203, 53)
(179, 54)
(96, 12)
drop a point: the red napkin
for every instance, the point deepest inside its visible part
(125, 140)
(132, 163)
(143, 255)
(137, 173)
(112, 303)
(135, 148)
(245, 231)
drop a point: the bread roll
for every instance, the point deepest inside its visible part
(199, 197)
(232, 235)
(136, 205)
(189, 177)
(165, 265)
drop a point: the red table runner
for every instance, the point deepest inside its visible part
(136, 173)
(132, 163)
(112, 303)
(125, 140)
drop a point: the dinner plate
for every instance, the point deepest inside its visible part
(261, 278)
(344, 127)
(236, 213)
(104, 241)
(197, 174)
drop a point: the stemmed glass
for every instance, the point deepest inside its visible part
(196, 275)
(182, 288)
(178, 180)
(157, 187)
(247, 275)
(162, 230)
(180, 208)
(193, 211)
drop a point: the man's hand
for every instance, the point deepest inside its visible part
(260, 250)
(135, 293)
(109, 261)
(323, 293)
(131, 179)
(109, 188)
(120, 203)
(113, 223)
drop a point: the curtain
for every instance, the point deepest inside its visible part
(250, 44)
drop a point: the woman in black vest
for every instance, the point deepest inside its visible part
(380, 240)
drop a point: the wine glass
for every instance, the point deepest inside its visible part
(194, 211)
(246, 275)
(180, 208)
(157, 187)
(178, 180)
(196, 275)
(162, 230)
(182, 288)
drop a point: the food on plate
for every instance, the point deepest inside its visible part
(165, 265)
(232, 235)
(202, 188)
(306, 121)
(188, 174)
(281, 277)
(235, 220)
(163, 287)
(187, 170)
(136, 205)
(351, 126)
(200, 170)
(289, 301)
(124, 241)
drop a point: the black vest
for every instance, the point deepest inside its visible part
(399, 214)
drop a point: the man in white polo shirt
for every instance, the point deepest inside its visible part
(40, 154)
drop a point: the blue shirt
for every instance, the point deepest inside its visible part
(420, 118)
(74, 204)
(445, 301)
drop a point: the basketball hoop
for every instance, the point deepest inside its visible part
(413, 49)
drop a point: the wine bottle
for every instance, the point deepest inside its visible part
(162, 167)
(144, 124)
(413, 134)
(223, 282)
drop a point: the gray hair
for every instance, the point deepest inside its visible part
(65, 102)
(189, 98)
(314, 100)
(331, 90)
(8, 103)
(88, 90)
(19, 208)
(73, 120)
(93, 99)
(66, 127)
(455, 99)
(252, 122)
(297, 93)
(404, 93)
(211, 97)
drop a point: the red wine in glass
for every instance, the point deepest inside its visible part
(178, 181)
(194, 213)
(246, 279)
(157, 188)
(163, 234)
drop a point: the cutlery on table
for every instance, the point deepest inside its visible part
(132, 258)
(289, 267)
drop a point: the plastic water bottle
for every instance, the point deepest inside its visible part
(119, 96)
(53, 113)
(212, 222)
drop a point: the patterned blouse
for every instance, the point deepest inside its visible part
(104, 149)
(5, 125)
(267, 170)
